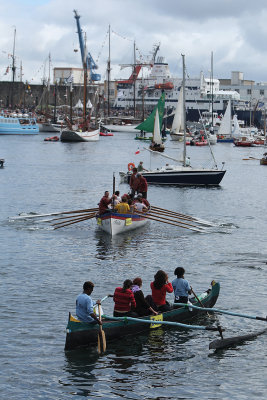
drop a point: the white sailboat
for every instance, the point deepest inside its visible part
(157, 144)
(177, 132)
(225, 129)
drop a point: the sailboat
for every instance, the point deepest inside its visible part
(225, 129)
(184, 175)
(149, 123)
(156, 144)
(176, 132)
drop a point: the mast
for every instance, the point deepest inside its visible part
(134, 79)
(84, 86)
(211, 89)
(13, 70)
(184, 112)
(108, 70)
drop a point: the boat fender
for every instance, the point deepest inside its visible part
(131, 166)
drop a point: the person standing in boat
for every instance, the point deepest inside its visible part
(181, 286)
(105, 202)
(124, 300)
(142, 306)
(160, 287)
(142, 185)
(140, 167)
(84, 305)
(134, 182)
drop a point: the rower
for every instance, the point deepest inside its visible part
(85, 304)
(104, 202)
(123, 207)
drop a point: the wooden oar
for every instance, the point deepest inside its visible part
(151, 321)
(220, 344)
(66, 219)
(56, 213)
(173, 216)
(234, 314)
(75, 222)
(196, 229)
(101, 339)
(168, 219)
(184, 215)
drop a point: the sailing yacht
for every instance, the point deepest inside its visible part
(184, 175)
(156, 144)
(176, 131)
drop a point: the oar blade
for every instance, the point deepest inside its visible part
(220, 344)
(101, 342)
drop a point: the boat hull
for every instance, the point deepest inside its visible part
(115, 223)
(18, 126)
(75, 136)
(80, 334)
(185, 177)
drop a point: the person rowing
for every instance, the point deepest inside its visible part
(105, 202)
(85, 305)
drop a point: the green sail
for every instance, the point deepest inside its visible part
(148, 124)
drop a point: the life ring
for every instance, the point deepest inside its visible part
(131, 166)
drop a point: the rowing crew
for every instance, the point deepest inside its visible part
(130, 301)
(124, 204)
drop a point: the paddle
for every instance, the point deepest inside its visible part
(196, 229)
(72, 216)
(184, 215)
(234, 314)
(75, 222)
(219, 344)
(101, 339)
(56, 213)
(174, 216)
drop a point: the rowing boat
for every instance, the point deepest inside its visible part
(81, 334)
(115, 223)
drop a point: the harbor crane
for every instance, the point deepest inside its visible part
(87, 59)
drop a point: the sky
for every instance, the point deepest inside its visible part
(235, 31)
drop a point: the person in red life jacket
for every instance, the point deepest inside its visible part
(124, 300)
(104, 202)
(134, 182)
(160, 287)
(142, 185)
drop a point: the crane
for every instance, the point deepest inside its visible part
(87, 59)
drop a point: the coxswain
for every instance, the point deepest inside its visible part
(104, 202)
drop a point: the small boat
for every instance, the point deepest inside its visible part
(127, 128)
(52, 139)
(2, 161)
(157, 144)
(114, 223)
(80, 334)
(105, 134)
(79, 136)
(244, 141)
(225, 134)
(18, 124)
(263, 160)
(177, 129)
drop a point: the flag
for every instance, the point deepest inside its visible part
(137, 152)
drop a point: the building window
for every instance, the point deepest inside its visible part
(262, 92)
(248, 91)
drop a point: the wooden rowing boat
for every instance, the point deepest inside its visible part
(115, 223)
(81, 334)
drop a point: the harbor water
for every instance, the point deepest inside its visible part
(43, 270)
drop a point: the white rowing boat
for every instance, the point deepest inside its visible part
(114, 223)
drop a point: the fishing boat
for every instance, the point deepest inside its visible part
(114, 223)
(81, 334)
(18, 124)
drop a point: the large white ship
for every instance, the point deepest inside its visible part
(199, 92)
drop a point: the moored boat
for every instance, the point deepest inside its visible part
(263, 160)
(81, 334)
(18, 124)
(114, 223)
(79, 136)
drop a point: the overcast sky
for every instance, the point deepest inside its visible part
(234, 30)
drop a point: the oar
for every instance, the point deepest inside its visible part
(196, 229)
(234, 314)
(184, 215)
(200, 302)
(72, 216)
(70, 219)
(56, 213)
(151, 321)
(153, 214)
(220, 344)
(101, 339)
(75, 222)
(174, 216)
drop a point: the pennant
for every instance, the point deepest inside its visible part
(137, 152)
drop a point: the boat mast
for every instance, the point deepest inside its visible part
(13, 70)
(212, 89)
(184, 112)
(134, 78)
(108, 70)
(84, 83)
